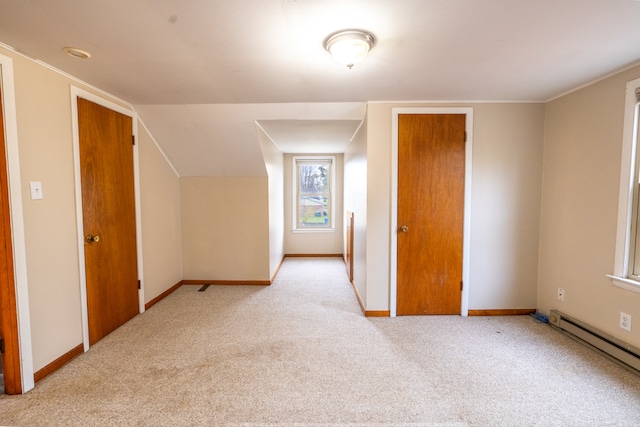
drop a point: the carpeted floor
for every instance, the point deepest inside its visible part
(300, 353)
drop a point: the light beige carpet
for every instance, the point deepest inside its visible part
(300, 353)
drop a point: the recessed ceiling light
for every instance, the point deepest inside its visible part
(77, 53)
(349, 46)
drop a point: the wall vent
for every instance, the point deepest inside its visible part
(620, 352)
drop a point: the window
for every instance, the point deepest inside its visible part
(626, 271)
(313, 182)
(633, 268)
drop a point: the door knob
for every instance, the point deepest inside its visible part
(404, 229)
(93, 239)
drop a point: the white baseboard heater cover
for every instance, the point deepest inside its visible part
(615, 349)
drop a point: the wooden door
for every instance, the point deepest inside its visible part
(10, 357)
(431, 164)
(108, 210)
(349, 245)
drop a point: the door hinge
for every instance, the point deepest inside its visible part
(133, 139)
(139, 285)
(1, 345)
(461, 285)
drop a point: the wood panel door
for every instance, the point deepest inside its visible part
(349, 245)
(109, 221)
(10, 356)
(431, 165)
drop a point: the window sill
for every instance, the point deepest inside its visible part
(313, 230)
(624, 283)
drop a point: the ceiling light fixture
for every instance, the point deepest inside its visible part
(76, 53)
(349, 46)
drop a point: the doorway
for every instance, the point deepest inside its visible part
(108, 210)
(15, 329)
(9, 352)
(430, 218)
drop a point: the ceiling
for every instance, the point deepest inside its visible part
(202, 72)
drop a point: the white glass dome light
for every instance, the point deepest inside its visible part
(349, 46)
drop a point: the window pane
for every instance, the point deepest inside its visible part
(313, 211)
(314, 179)
(312, 191)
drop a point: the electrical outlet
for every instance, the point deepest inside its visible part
(560, 294)
(625, 321)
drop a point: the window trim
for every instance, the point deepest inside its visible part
(294, 195)
(628, 176)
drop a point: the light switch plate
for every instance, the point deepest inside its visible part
(36, 190)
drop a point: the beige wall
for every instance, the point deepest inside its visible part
(313, 242)
(225, 228)
(582, 159)
(161, 225)
(274, 163)
(43, 109)
(505, 200)
(355, 200)
(505, 205)
(378, 244)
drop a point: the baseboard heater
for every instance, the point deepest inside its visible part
(620, 352)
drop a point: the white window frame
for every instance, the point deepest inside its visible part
(332, 195)
(629, 194)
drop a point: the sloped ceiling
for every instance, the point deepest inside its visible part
(184, 64)
(312, 136)
(221, 139)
